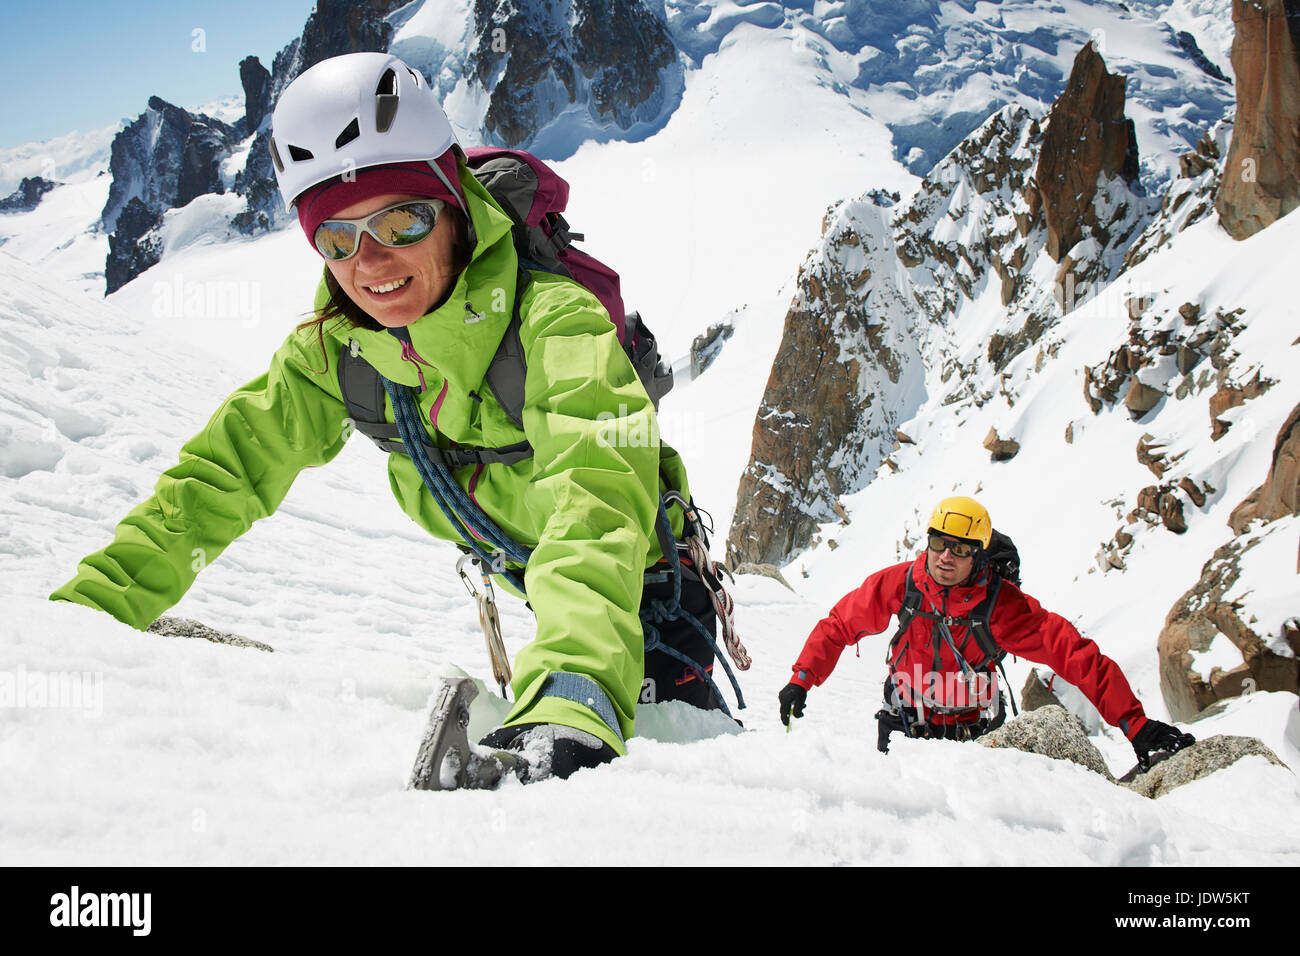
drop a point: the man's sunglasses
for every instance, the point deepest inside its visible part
(403, 224)
(961, 549)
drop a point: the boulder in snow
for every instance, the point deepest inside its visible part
(1197, 761)
(1053, 732)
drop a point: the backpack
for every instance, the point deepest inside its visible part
(534, 197)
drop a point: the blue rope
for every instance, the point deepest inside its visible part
(459, 509)
(470, 521)
(662, 611)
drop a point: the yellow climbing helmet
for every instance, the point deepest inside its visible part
(963, 518)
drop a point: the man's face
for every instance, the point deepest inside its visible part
(944, 566)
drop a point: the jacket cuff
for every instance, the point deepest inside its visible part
(1131, 728)
(802, 678)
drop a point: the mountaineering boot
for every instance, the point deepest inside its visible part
(548, 750)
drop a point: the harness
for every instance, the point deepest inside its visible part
(965, 723)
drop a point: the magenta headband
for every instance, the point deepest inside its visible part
(417, 178)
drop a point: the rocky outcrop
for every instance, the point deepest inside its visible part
(1202, 615)
(1087, 137)
(163, 160)
(1232, 395)
(1053, 732)
(1190, 197)
(1279, 495)
(1000, 449)
(1261, 181)
(979, 219)
(1036, 694)
(256, 82)
(1200, 760)
(969, 225)
(185, 627)
(1193, 50)
(131, 248)
(335, 27)
(1166, 354)
(847, 372)
(28, 194)
(706, 347)
(256, 183)
(538, 60)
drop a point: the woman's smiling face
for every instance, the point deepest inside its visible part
(397, 285)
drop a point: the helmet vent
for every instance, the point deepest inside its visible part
(350, 132)
(299, 155)
(275, 156)
(386, 99)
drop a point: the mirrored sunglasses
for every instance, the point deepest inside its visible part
(403, 224)
(961, 549)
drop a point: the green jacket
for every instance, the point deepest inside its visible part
(585, 502)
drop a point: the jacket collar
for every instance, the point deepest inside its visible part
(957, 598)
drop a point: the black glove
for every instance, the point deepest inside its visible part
(792, 698)
(1155, 735)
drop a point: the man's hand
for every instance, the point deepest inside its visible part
(1155, 735)
(792, 697)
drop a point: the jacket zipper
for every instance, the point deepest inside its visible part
(410, 355)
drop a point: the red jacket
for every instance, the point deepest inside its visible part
(1019, 624)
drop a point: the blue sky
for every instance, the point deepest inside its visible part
(81, 65)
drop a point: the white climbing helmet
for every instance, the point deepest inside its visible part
(354, 111)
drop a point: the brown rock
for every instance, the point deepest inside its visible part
(1171, 513)
(1147, 454)
(1191, 625)
(1261, 175)
(1035, 693)
(1279, 495)
(1087, 136)
(1230, 396)
(1194, 491)
(1141, 398)
(820, 432)
(1190, 312)
(1000, 449)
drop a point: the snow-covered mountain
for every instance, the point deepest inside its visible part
(550, 77)
(773, 140)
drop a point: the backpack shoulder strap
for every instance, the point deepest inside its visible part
(980, 616)
(363, 394)
(911, 604)
(508, 369)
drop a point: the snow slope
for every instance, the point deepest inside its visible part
(239, 756)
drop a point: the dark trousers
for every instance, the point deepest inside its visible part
(666, 677)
